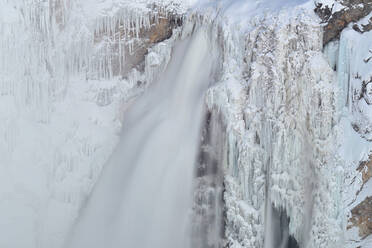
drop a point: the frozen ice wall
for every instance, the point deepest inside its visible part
(352, 59)
(278, 99)
(354, 77)
(62, 94)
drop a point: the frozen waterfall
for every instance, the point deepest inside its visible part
(144, 196)
(162, 124)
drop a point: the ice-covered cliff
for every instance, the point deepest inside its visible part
(284, 158)
(347, 37)
(62, 99)
(280, 114)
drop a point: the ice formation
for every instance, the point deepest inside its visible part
(280, 114)
(61, 110)
(286, 125)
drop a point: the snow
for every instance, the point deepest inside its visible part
(367, 242)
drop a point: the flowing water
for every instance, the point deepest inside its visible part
(144, 196)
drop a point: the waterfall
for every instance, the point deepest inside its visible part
(144, 196)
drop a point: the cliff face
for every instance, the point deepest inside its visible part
(361, 217)
(280, 114)
(361, 214)
(338, 15)
(347, 26)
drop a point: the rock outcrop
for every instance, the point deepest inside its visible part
(363, 27)
(365, 168)
(353, 11)
(362, 217)
(130, 43)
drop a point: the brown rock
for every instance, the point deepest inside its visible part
(160, 29)
(365, 168)
(362, 217)
(362, 213)
(364, 27)
(354, 10)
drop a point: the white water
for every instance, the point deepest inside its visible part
(143, 198)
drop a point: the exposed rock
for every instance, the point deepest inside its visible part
(362, 217)
(362, 213)
(351, 3)
(323, 11)
(363, 27)
(366, 90)
(365, 168)
(135, 44)
(354, 10)
(341, 19)
(160, 31)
